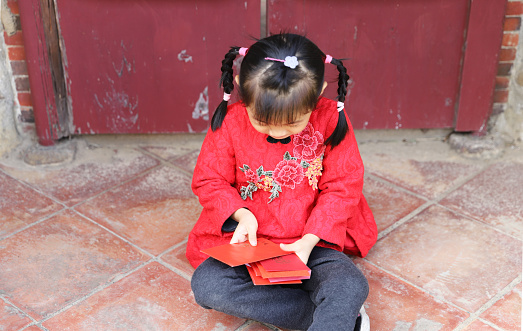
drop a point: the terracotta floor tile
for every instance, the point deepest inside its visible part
(11, 318)
(155, 211)
(178, 149)
(452, 257)
(395, 305)
(495, 197)
(152, 298)
(21, 206)
(388, 204)
(506, 313)
(177, 259)
(479, 326)
(187, 161)
(33, 328)
(59, 260)
(91, 174)
(427, 178)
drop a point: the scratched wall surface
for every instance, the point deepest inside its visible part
(149, 66)
(404, 55)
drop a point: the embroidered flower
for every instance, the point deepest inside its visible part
(266, 184)
(251, 176)
(308, 144)
(313, 172)
(288, 173)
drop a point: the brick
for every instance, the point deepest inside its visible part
(500, 96)
(507, 54)
(512, 24)
(14, 40)
(514, 8)
(22, 84)
(27, 115)
(19, 68)
(16, 53)
(502, 83)
(24, 98)
(13, 6)
(504, 69)
(510, 39)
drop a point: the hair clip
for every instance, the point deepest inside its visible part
(226, 96)
(290, 61)
(328, 58)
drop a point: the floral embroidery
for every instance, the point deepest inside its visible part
(288, 173)
(309, 147)
(314, 172)
(308, 144)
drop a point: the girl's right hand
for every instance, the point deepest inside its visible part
(247, 227)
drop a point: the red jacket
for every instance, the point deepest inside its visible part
(292, 189)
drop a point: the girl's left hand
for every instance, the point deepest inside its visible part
(302, 247)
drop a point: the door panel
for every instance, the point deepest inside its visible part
(405, 56)
(148, 66)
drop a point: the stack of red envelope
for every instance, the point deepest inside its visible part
(266, 262)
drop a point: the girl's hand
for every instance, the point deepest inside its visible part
(302, 247)
(247, 227)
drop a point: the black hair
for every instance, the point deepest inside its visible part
(277, 93)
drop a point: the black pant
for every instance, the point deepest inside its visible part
(329, 300)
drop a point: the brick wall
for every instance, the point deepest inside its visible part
(507, 55)
(16, 53)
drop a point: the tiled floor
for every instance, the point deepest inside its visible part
(99, 243)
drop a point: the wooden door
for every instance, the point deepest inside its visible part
(151, 66)
(405, 57)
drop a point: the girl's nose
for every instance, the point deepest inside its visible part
(278, 133)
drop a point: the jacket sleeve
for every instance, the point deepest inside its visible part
(214, 179)
(340, 188)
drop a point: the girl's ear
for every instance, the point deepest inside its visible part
(237, 80)
(322, 89)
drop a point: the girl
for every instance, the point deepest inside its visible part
(283, 164)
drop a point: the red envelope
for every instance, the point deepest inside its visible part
(243, 253)
(289, 262)
(257, 280)
(294, 274)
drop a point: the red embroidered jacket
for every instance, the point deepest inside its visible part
(292, 189)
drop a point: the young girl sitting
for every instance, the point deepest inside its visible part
(283, 164)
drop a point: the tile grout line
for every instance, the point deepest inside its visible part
(491, 302)
(470, 218)
(114, 234)
(167, 162)
(7, 301)
(141, 174)
(172, 248)
(43, 219)
(405, 219)
(438, 298)
(429, 201)
(96, 290)
(395, 186)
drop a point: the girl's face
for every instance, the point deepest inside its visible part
(280, 131)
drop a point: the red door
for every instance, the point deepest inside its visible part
(153, 66)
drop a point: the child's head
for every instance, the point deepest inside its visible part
(278, 93)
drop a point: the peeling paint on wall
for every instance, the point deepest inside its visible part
(201, 109)
(183, 56)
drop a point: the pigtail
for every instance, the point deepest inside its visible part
(227, 82)
(341, 127)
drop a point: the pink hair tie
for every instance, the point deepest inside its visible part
(242, 51)
(328, 59)
(226, 96)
